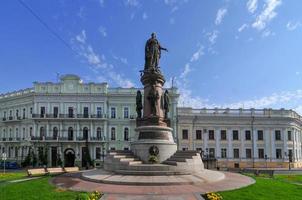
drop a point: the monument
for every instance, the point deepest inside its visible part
(154, 133)
(153, 151)
(153, 158)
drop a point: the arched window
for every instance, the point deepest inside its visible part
(70, 133)
(99, 133)
(42, 132)
(85, 133)
(126, 134)
(55, 133)
(112, 133)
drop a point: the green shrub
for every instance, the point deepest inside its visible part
(153, 159)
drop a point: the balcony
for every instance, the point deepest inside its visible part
(82, 138)
(97, 139)
(82, 116)
(66, 115)
(51, 138)
(98, 116)
(36, 138)
(3, 139)
(4, 119)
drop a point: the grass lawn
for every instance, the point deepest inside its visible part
(34, 189)
(8, 176)
(280, 187)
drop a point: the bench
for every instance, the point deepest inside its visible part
(71, 169)
(38, 171)
(270, 173)
(55, 170)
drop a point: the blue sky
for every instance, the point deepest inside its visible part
(222, 53)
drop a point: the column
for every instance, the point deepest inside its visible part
(47, 130)
(91, 130)
(242, 150)
(285, 139)
(267, 142)
(217, 143)
(78, 135)
(254, 138)
(230, 149)
(205, 138)
(272, 141)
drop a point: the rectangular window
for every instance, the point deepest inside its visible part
(247, 135)
(260, 134)
(248, 153)
(277, 135)
(236, 153)
(126, 112)
(112, 133)
(86, 114)
(185, 149)
(185, 134)
(70, 112)
(42, 111)
(235, 135)
(198, 135)
(99, 112)
(279, 153)
(199, 149)
(31, 111)
(23, 113)
(98, 153)
(261, 153)
(55, 112)
(223, 135)
(211, 135)
(113, 112)
(223, 153)
(289, 135)
(212, 152)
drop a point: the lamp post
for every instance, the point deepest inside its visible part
(4, 157)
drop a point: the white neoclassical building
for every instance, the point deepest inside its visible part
(68, 119)
(242, 137)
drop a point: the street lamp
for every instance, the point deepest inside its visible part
(4, 157)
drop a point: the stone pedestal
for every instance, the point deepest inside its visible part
(158, 136)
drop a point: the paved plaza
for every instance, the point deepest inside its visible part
(137, 192)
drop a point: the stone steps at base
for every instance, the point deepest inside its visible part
(178, 159)
(150, 173)
(170, 162)
(146, 167)
(134, 162)
(188, 151)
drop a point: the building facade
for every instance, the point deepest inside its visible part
(69, 121)
(242, 138)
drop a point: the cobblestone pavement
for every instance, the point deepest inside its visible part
(178, 192)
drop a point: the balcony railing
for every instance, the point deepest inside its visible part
(36, 138)
(97, 139)
(98, 116)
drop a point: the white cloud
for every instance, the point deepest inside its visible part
(132, 3)
(81, 37)
(174, 9)
(97, 62)
(103, 31)
(220, 15)
(241, 28)
(291, 26)
(297, 73)
(101, 2)
(197, 54)
(267, 33)
(268, 13)
(213, 37)
(145, 16)
(120, 59)
(252, 5)
(185, 72)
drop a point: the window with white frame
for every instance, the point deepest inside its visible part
(126, 133)
(112, 133)
(126, 112)
(113, 112)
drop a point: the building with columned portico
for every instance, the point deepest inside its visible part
(69, 120)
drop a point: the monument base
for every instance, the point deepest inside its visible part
(154, 136)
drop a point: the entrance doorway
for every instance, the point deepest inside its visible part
(85, 157)
(69, 157)
(54, 156)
